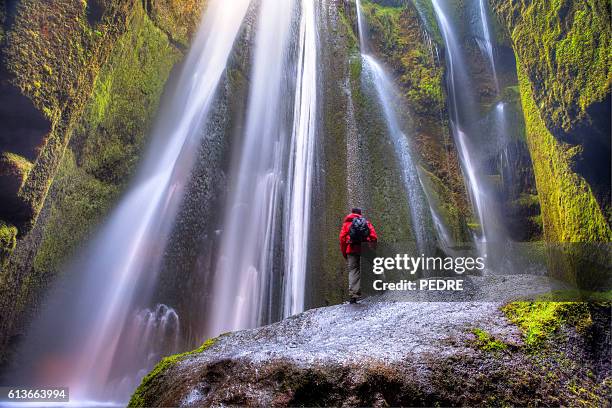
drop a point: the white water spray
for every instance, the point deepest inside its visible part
(409, 174)
(468, 162)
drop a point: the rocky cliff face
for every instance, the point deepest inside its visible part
(563, 64)
(401, 37)
(563, 61)
(388, 352)
(70, 133)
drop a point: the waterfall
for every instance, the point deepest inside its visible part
(488, 45)
(301, 164)
(361, 27)
(473, 143)
(85, 327)
(386, 92)
(457, 78)
(272, 180)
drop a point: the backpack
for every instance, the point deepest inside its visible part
(359, 231)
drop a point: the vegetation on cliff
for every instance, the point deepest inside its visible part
(8, 240)
(570, 212)
(404, 35)
(563, 56)
(108, 139)
(564, 49)
(98, 79)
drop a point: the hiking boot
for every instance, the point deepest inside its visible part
(353, 300)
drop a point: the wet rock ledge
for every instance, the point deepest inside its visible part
(385, 352)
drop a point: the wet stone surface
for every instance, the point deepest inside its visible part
(382, 351)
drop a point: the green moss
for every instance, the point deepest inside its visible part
(349, 34)
(428, 16)
(107, 141)
(138, 398)
(178, 19)
(80, 201)
(487, 342)
(564, 48)
(8, 240)
(114, 127)
(570, 212)
(17, 165)
(53, 64)
(527, 200)
(539, 320)
(398, 36)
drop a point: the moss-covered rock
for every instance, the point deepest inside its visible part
(380, 353)
(564, 49)
(8, 240)
(399, 36)
(177, 18)
(108, 139)
(404, 35)
(99, 90)
(570, 212)
(563, 52)
(14, 171)
(539, 320)
(50, 58)
(487, 342)
(142, 395)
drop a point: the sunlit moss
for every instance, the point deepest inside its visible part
(570, 212)
(8, 240)
(138, 398)
(487, 342)
(538, 320)
(398, 35)
(564, 49)
(16, 165)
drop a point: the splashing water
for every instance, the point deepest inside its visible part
(151, 334)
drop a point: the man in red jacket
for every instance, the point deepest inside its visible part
(355, 231)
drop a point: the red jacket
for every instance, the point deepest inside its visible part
(345, 240)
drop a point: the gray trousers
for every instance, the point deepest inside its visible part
(354, 274)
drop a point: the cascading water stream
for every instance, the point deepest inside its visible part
(488, 42)
(301, 165)
(500, 111)
(474, 140)
(410, 177)
(276, 153)
(462, 104)
(119, 269)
